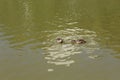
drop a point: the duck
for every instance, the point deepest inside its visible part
(78, 41)
(59, 40)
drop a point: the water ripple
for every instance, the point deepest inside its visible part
(61, 54)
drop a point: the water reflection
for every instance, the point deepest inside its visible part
(27, 18)
(19, 35)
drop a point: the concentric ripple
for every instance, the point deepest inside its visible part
(61, 54)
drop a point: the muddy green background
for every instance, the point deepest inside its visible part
(28, 32)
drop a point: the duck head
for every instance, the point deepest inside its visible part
(59, 40)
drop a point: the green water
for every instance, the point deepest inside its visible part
(28, 32)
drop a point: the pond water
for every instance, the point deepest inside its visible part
(28, 32)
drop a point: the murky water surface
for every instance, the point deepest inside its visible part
(28, 33)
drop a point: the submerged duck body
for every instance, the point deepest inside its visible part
(79, 41)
